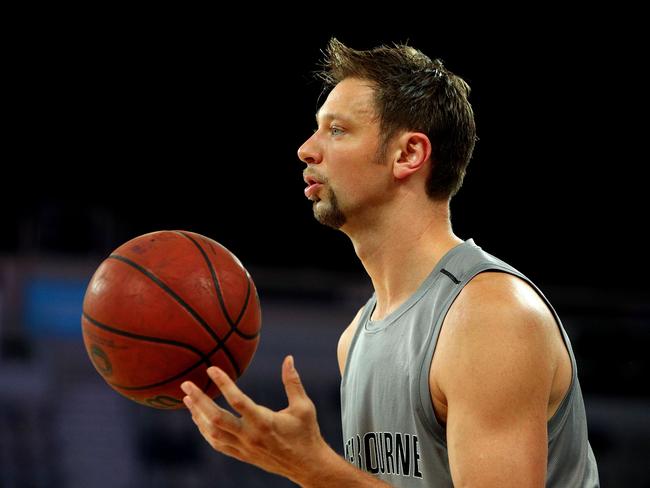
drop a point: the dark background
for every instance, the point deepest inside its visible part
(117, 125)
(120, 131)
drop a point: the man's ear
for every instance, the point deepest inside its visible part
(414, 150)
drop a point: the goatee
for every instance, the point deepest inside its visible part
(330, 215)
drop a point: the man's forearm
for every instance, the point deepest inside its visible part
(328, 469)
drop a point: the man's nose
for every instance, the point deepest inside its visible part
(308, 153)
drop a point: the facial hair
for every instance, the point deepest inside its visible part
(329, 213)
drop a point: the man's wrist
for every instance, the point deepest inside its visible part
(326, 468)
(320, 461)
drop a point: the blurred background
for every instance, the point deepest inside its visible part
(118, 128)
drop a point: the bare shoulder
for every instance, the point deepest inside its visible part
(497, 325)
(500, 300)
(345, 340)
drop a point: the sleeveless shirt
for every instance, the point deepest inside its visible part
(389, 425)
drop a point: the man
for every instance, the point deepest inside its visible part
(457, 372)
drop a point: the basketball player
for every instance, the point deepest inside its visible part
(457, 371)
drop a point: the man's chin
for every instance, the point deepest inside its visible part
(333, 218)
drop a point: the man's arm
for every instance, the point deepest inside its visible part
(345, 341)
(288, 442)
(494, 364)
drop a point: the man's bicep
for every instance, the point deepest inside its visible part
(488, 451)
(496, 374)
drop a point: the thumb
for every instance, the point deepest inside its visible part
(292, 383)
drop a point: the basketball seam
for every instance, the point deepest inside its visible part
(142, 337)
(204, 358)
(215, 280)
(185, 305)
(241, 314)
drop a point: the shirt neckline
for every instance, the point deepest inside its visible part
(372, 326)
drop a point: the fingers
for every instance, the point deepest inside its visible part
(218, 437)
(292, 384)
(218, 426)
(222, 441)
(241, 403)
(206, 414)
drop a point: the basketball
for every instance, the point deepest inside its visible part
(164, 307)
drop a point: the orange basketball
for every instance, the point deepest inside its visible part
(164, 307)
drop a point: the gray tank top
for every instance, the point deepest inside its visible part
(389, 426)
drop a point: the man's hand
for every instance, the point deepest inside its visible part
(287, 442)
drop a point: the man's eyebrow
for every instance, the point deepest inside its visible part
(331, 116)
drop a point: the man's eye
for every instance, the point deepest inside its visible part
(335, 131)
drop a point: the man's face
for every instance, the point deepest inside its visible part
(344, 176)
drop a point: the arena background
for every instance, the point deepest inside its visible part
(114, 129)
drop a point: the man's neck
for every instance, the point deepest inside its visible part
(401, 249)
